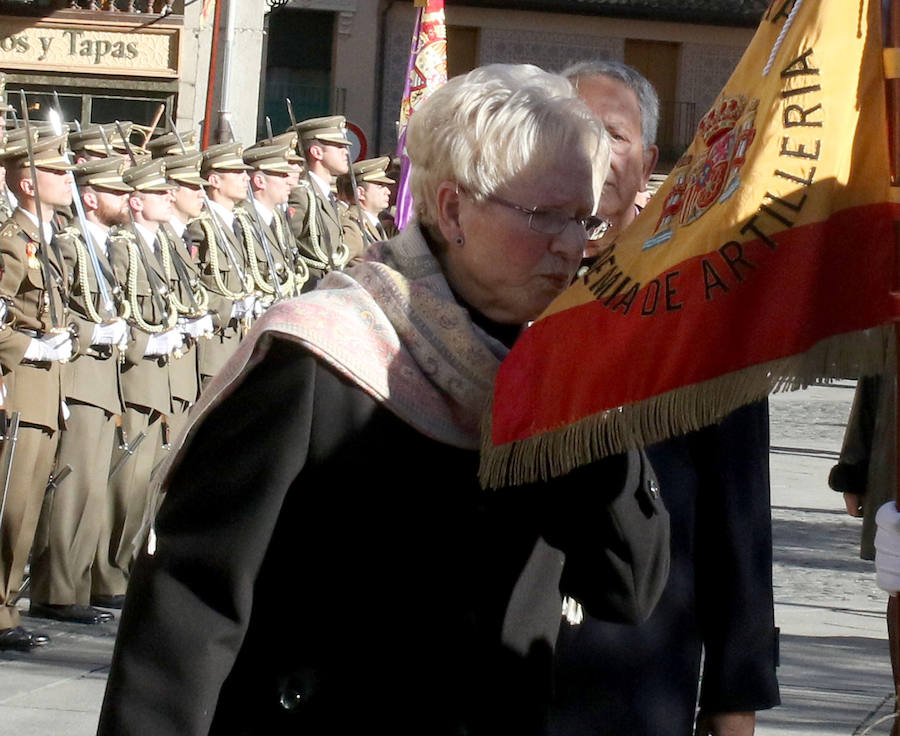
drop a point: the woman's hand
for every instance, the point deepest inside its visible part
(854, 504)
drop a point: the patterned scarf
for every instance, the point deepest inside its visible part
(392, 326)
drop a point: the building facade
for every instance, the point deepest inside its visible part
(350, 56)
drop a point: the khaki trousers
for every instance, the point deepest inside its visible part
(32, 465)
(121, 533)
(72, 515)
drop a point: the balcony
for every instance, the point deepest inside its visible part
(46, 7)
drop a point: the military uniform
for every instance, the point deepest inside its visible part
(221, 277)
(72, 517)
(145, 390)
(360, 234)
(190, 296)
(314, 217)
(35, 390)
(255, 220)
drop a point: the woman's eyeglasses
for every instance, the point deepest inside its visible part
(552, 222)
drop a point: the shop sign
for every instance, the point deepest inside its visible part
(101, 48)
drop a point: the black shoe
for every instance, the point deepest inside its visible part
(108, 601)
(74, 614)
(20, 640)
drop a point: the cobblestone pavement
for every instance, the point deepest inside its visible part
(835, 674)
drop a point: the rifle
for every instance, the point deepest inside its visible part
(261, 233)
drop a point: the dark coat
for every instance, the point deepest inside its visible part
(323, 568)
(643, 680)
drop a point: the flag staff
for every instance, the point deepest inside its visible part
(892, 89)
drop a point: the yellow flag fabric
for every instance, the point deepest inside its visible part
(766, 251)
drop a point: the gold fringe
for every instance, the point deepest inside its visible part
(676, 412)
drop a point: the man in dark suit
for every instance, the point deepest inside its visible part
(315, 216)
(718, 603)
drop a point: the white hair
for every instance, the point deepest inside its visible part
(484, 128)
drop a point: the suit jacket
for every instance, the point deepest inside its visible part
(145, 380)
(213, 354)
(93, 372)
(643, 680)
(325, 254)
(35, 389)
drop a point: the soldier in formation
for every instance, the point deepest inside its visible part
(129, 276)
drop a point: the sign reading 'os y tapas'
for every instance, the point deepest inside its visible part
(100, 48)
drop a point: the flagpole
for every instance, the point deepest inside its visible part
(892, 88)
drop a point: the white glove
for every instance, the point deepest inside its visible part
(55, 346)
(163, 343)
(887, 548)
(198, 327)
(261, 305)
(238, 309)
(114, 332)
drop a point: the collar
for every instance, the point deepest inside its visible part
(99, 235)
(148, 236)
(225, 215)
(178, 226)
(48, 229)
(373, 219)
(265, 213)
(323, 186)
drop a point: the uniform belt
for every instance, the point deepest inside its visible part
(31, 333)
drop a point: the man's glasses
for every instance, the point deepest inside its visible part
(552, 222)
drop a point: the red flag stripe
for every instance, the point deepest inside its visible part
(817, 283)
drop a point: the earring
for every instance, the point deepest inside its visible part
(460, 241)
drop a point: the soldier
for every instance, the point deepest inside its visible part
(315, 218)
(297, 166)
(373, 196)
(169, 144)
(33, 278)
(72, 517)
(188, 293)
(87, 144)
(270, 185)
(223, 263)
(155, 338)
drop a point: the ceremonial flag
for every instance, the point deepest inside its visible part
(767, 250)
(426, 72)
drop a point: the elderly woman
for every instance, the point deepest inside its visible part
(326, 561)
